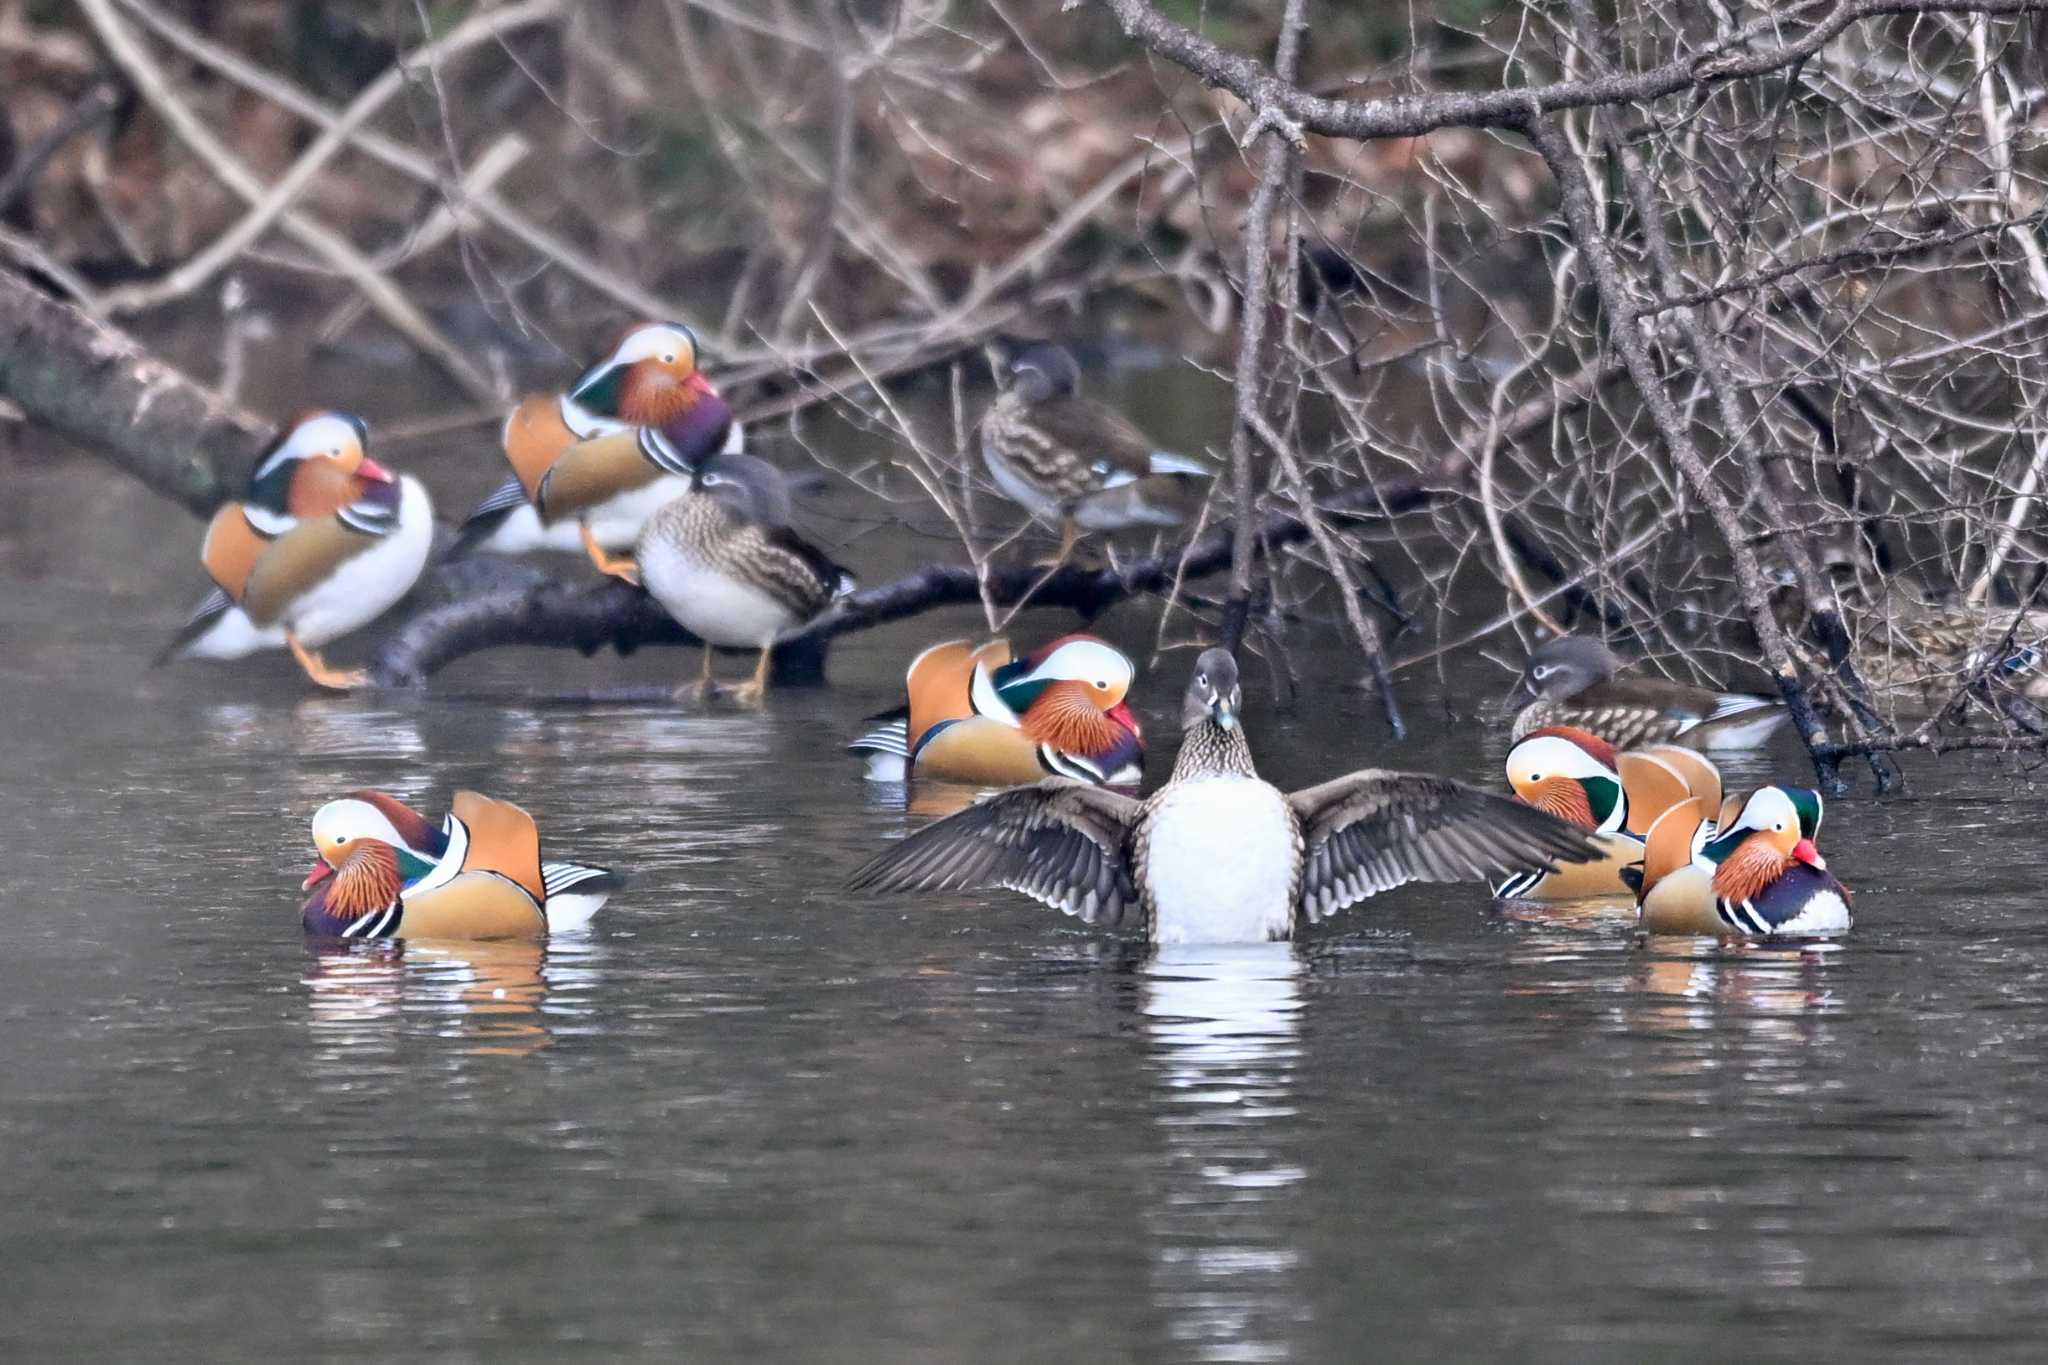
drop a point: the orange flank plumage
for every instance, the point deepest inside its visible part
(535, 437)
(231, 549)
(502, 839)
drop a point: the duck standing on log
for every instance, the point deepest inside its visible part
(591, 465)
(1078, 464)
(326, 541)
(724, 562)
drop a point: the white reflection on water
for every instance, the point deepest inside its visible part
(496, 999)
(1223, 1024)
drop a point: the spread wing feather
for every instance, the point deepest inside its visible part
(1059, 842)
(1373, 830)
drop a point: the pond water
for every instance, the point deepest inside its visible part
(746, 1118)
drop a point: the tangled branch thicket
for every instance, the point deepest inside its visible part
(1718, 330)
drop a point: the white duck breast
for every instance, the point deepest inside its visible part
(1220, 862)
(371, 582)
(521, 532)
(709, 603)
(1827, 913)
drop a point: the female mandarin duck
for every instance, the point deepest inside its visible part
(1571, 681)
(1078, 464)
(1217, 855)
(384, 872)
(978, 716)
(326, 542)
(723, 561)
(592, 465)
(1579, 778)
(1758, 875)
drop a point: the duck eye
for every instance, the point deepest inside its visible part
(1540, 672)
(1102, 686)
(669, 359)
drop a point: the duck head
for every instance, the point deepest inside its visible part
(1563, 667)
(349, 896)
(1774, 830)
(318, 465)
(648, 379)
(747, 485)
(1070, 694)
(345, 826)
(1042, 370)
(1213, 692)
(1570, 774)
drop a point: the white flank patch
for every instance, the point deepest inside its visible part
(521, 533)
(1826, 913)
(1219, 862)
(574, 909)
(233, 636)
(366, 586)
(616, 522)
(711, 606)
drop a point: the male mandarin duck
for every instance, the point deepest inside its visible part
(1217, 855)
(978, 716)
(385, 872)
(1571, 681)
(1579, 778)
(1756, 875)
(723, 561)
(326, 541)
(1078, 464)
(590, 466)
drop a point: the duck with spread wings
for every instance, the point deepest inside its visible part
(1218, 855)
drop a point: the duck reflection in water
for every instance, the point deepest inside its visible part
(1223, 1024)
(489, 995)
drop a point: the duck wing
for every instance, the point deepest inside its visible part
(1373, 830)
(1059, 842)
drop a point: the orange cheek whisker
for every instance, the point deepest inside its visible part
(1563, 798)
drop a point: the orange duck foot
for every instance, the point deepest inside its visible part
(318, 669)
(618, 566)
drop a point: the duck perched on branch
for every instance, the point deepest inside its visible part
(723, 561)
(1078, 464)
(1219, 855)
(326, 541)
(591, 465)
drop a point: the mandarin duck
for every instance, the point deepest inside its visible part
(326, 541)
(1078, 464)
(1755, 874)
(385, 872)
(1218, 855)
(590, 466)
(1571, 681)
(724, 562)
(976, 715)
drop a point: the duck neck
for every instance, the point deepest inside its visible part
(1744, 874)
(1064, 717)
(1209, 750)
